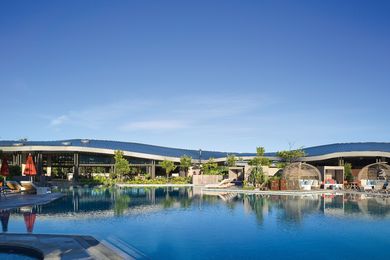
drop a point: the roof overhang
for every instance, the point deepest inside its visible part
(346, 154)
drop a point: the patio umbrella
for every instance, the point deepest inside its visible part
(4, 218)
(30, 170)
(29, 220)
(4, 169)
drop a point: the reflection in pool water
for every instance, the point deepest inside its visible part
(187, 223)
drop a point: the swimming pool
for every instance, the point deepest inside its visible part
(184, 223)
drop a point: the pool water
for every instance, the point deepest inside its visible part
(20, 253)
(11, 256)
(186, 223)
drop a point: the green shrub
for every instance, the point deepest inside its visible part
(172, 180)
(102, 180)
(15, 170)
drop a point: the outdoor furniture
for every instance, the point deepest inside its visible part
(3, 192)
(332, 184)
(28, 186)
(306, 184)
(32, 188)
(379, 184)
(352, 186)
(315, 184)
(15, 186)
(373, 185)
(387, 189)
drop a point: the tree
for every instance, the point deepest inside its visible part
(290, 156)
(185, 163)
(210, 167)
(260, 151)
(348, 172)
(122, 166)
(15, 170)
(231, 160)
(168, 166)
(257, 176)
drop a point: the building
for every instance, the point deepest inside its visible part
(62, 159)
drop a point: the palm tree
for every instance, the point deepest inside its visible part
(185, 163)
(168, 166)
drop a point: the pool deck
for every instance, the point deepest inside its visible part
(66, 246)
(17, 200)
(122, 185)
(267, 192)
(292, 192)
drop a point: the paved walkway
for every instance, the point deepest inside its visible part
(121, 185)
(293, 192)
(66, 246)
(18, 200)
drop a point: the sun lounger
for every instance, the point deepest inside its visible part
(32, 188)
(29, 186)
(223, 184)
(15, 186)
(379, 185)
(387, 189)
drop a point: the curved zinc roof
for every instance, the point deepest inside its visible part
(177, 152)
(129, 146)
(347, 147)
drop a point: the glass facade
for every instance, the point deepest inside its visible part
(62, 159)
(95, 159)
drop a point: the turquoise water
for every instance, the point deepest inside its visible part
(182, 223)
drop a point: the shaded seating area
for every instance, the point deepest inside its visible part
(302, 176)
(374, 177)
(333, 177)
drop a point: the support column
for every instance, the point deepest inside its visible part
(341, 161)
(39, 160)
(48, 168)
(153, 170)
(39, 164)
(14, 157)
(23, 158)
(75, 166)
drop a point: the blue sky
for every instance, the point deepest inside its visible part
(218, 75)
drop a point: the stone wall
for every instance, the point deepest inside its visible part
(206, 179)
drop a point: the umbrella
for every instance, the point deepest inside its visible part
(4, 218)
(4, 169)
(30, 170)
(29, 220)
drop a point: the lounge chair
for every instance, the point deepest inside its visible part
(29, 187)
(15, 186)
(315, 184)
(32, 188)
(379, 184)
(223, 184)
(387, 189)
(368, 185)
(305, 184)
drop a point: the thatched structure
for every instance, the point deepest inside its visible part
(375, 171)
(295, 172)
